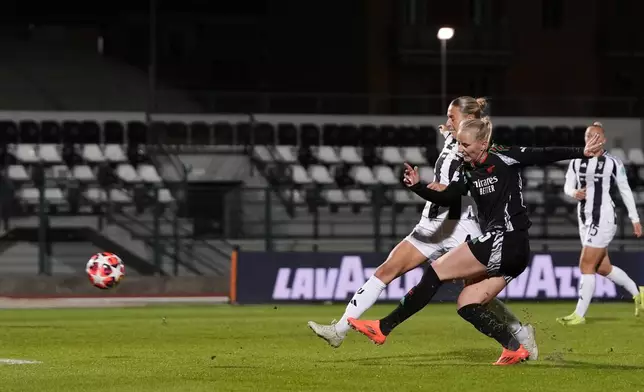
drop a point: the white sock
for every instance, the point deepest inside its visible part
(363, 299)
(501, 311)
(586, 291)
(620, 277)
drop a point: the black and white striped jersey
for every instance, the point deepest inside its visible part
(599, 176)
(447, 164)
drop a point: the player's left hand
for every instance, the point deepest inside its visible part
(594, 146)
(637, 229)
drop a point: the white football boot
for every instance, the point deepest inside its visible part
(328, 333)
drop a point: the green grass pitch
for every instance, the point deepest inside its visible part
(267, 348)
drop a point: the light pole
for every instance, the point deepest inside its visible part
(444, 34)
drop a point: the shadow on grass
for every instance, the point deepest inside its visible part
(478, 357)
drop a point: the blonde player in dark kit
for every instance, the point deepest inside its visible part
(439, 229)
(590, 181)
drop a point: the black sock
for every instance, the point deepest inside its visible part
(489, 324)
(413, 301)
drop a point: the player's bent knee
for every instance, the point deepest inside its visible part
(402, 258)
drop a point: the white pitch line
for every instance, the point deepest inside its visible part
(7, 361)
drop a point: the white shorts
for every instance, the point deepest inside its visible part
(597, 236)
(433, 238)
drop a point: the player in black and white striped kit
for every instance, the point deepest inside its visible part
(590, 181)
(439, 230)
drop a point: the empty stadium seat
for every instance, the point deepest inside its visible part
(403, 196)
(320, 175)
(114, 153)
(414, 156)
(83, 173)
(8, 132)
(92, 153)
(299, 175)
(200, 133)
(287, 134)
(50, 132)
(58, 172)
(362, 175)
(26, 153)
(385, 175)
(285, 154)
(113, 131)
(310, 135)
(334, 196)
(357, 196)
(349, 154)
(148, 173)
(164, 196)
(534, 177)
(392, 156)
(620, 154)
(17, 173)
(636, 156)
(326, 154)
(503, 135)
(29, 131)
(223, 133)
(556, 175)
(49, 153)
(127, 173)
(426, 174)
(262, 154)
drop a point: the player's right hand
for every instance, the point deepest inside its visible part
(411, 176)
(580, 194)
(637, 229)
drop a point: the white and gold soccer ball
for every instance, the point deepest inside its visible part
(105, 270)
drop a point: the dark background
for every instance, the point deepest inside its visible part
(541, 50)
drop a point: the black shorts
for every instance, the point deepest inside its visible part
(504, 253)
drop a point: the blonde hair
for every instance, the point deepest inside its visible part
(469, 105)
(481, 126)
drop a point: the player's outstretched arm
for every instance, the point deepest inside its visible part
(526, 156)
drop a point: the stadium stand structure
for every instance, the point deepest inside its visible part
(330, 186)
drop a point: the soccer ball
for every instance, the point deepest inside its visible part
(105, 270)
